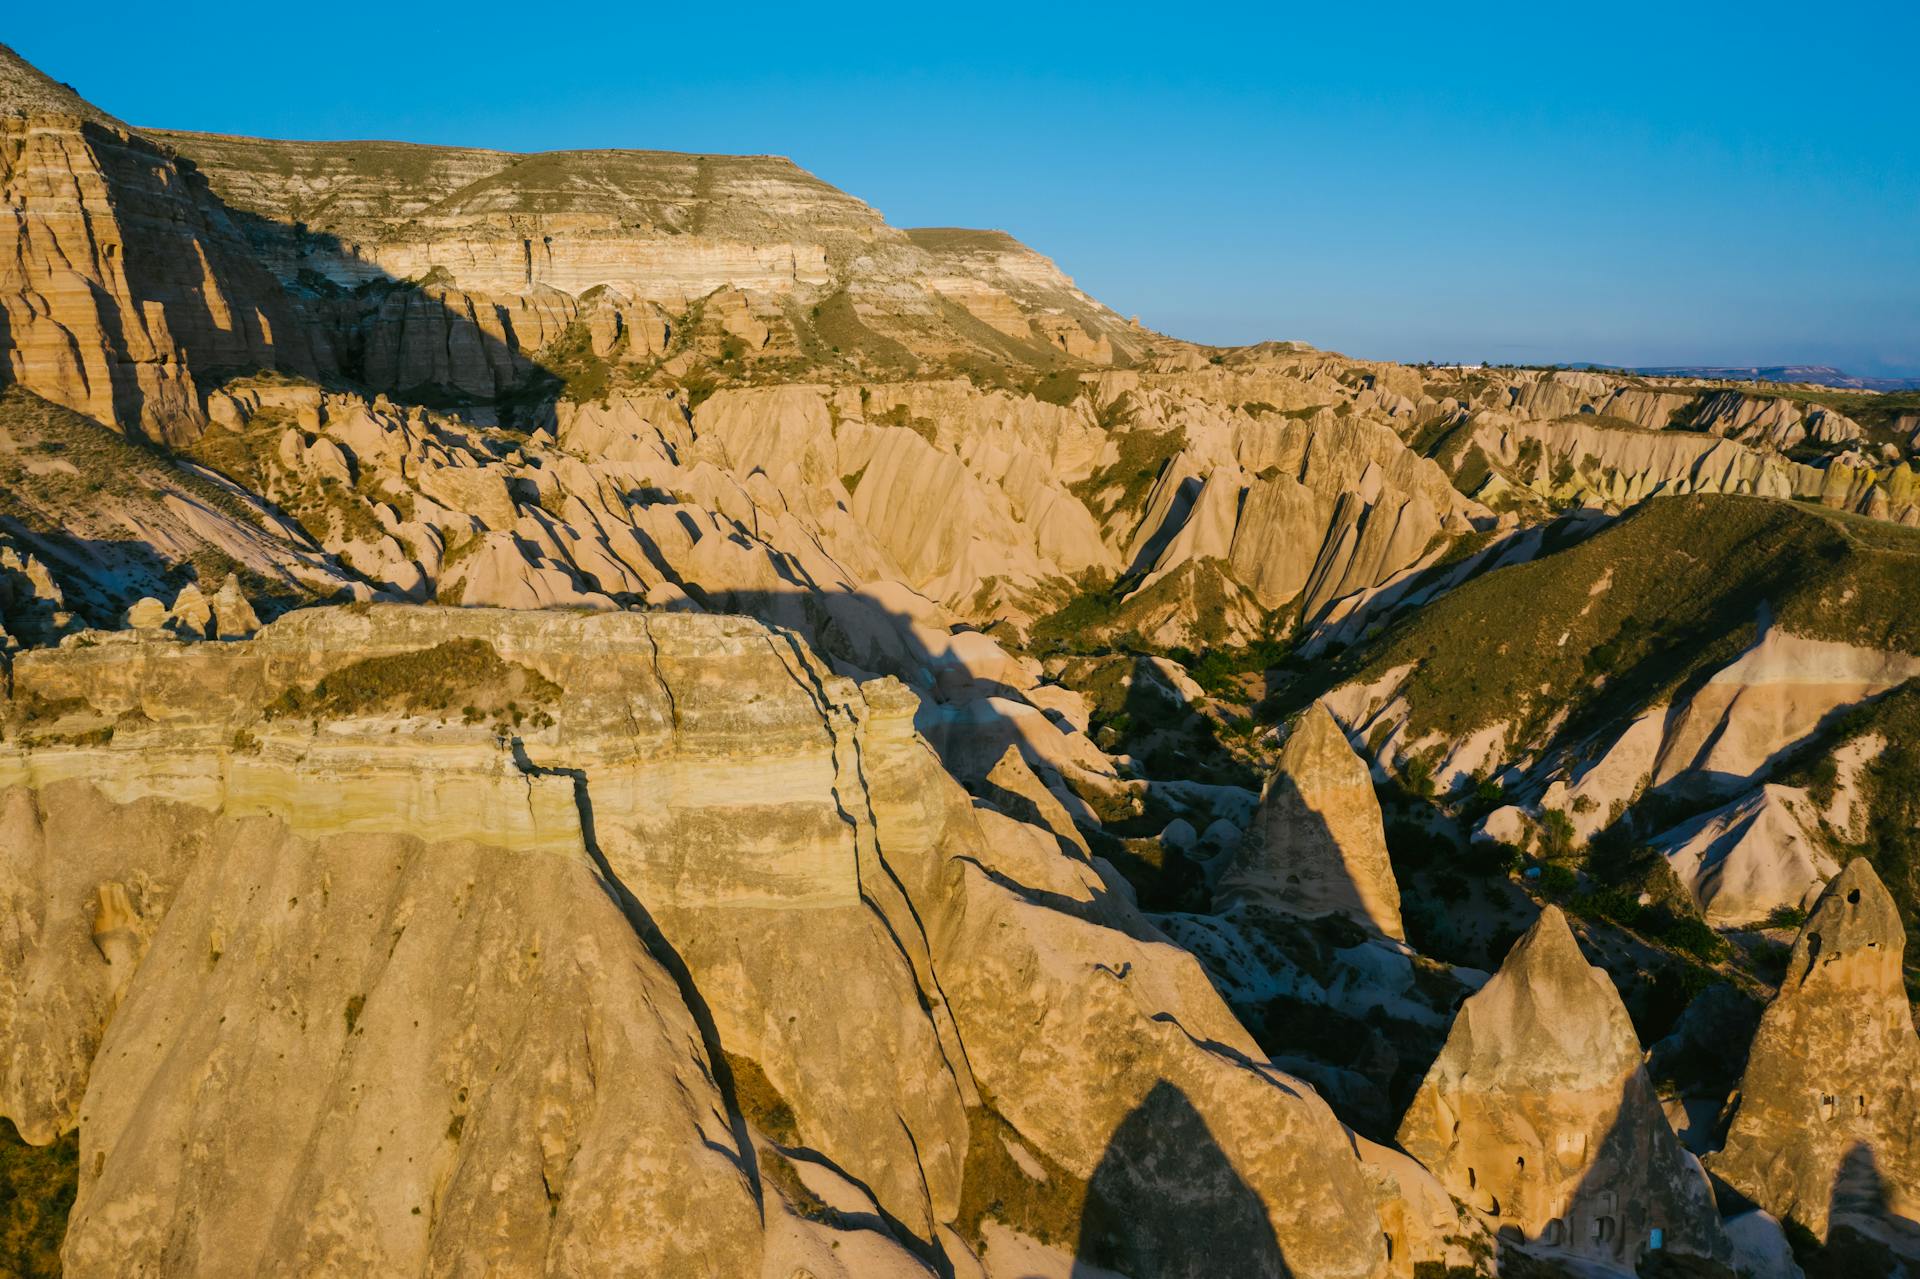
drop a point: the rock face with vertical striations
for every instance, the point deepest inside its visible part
(1827, 1123)
(121, 276)
(1539, 1115)
(1318, 846)
(568, 942)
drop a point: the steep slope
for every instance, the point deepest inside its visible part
(1687, 604)
(627, 914)
(747, 259)
(546, 852)
(116, 520)
(121, 280)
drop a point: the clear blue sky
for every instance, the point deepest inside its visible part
(1646, 184)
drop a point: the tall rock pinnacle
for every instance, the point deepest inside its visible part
(1539, 1115)
(1318, 845)
(1827, 1122)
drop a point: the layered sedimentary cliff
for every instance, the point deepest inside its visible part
(668, 1016)
(779, 786)
(119, 276)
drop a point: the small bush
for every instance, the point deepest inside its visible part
(1556, 833)
(433, 679)
(1558, 879)
(762, 1104)
(1785, 917)
(994, 1186)
(37, 1188)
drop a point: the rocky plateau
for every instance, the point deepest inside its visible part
(611, 712)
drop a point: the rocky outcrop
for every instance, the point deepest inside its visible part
(1827, 1124)
(1539, 1115)
(1748, 859)
(195, 615)
(480, 260)
(518, 848)
(110, 520)
(1772, 697)
(1317, 845)
(33, 609)
(120, 275)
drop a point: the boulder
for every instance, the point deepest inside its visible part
(146, 614)
(191, 614)
(1760, 1248)
(233, 615)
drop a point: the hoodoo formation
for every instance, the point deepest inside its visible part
(1317, 845)
(1825, 1128)
(611, 712)
(1539, 1113)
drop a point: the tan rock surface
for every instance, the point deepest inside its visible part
(1743, 861)
(1317, 845)
(1826, 1121)
(118, 274)
(1539, 1115)
(527, 916)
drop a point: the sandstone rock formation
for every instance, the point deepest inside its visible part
(844, 631)
(1317, 845)
(1747, 859)
(33, 608)
(555, 880)
(1539, 1115)
(119, 274)
(1562, 436)
(479, 262)
(1825, 1125)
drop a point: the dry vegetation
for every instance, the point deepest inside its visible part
(465, 675)
(37, 1188)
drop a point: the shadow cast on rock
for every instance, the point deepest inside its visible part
(1165, 1201)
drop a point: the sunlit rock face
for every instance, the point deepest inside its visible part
(1539, 1115)
(119, 276)
(1827, 1121)
(543, 924)
(801, 647)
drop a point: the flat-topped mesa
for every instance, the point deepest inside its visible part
(1318, 845)
(497, 254)
(1827, 1124)
(1539, 1115)
(679, 225)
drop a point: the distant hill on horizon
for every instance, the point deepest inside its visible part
(1817, 374)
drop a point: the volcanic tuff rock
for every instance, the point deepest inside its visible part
(119, 276)
(1539, 1114)
(1743, 861)
(1827, 1123)
(1317, 845)
(513, 249)
(863, 1020)
(338, 869)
